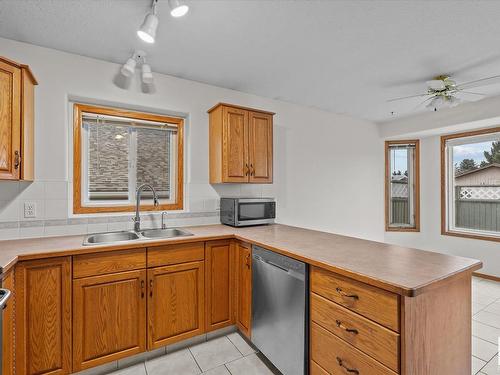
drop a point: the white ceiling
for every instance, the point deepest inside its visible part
(341, 56)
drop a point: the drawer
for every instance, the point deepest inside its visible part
(108, 262)
(316, 369)
(338, 357)
(374, 303)
(174, 254)
(371, 338)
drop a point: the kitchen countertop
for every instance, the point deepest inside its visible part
(401, 270)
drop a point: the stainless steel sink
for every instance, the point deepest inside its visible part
(165, 233)
(100, 238)
(112, 237)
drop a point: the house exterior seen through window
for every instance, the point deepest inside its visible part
(471, 191)
(117, 151)
(402, 185)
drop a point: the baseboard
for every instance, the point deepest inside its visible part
(487, 277)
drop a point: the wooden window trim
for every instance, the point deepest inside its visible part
(444, 229)
(387, 186)
(78, 110)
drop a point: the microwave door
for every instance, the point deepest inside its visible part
(256, 211)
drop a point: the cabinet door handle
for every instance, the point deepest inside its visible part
(142, 288)
(347, 295)
(17, 159)
(350, 330)
(252, 170)
(151, 288)
(247, 261)
(349, 370)
(247, 169)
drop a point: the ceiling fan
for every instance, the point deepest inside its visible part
(444, 92)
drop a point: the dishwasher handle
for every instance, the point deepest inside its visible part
(291, 272)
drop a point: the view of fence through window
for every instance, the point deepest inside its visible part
(123, 155)
(474, 183)
(401, 164)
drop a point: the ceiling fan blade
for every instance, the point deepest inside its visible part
(480, 82)
(476, 64)
(470, 92)
(406, 97)
(425, 101)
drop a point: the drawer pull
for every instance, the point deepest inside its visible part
(350, 330)
(142, 288)
(349, 370)
(344, 294)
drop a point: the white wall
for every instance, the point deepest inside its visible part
(328, 168)
(429, 127)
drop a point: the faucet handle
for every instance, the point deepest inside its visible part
(156, 202)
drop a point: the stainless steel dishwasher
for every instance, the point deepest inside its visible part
(279, 310)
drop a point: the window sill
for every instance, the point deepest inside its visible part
(472, 236)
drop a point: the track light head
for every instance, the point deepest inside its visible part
(177, 9)
(128, 69)
(147, 74)
(147, 31)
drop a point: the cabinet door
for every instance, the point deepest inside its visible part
(235, 145)
(43, 316)
(260, 147)
(109, 318)
(10, 121)
(244, 288)
(219, 284)
(176, 303)
(8, 341)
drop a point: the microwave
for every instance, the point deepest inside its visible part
(241, 212)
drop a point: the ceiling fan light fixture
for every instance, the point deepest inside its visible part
(177, 9)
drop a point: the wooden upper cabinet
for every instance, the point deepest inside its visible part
(241, 145)
(176, 303)
(109, 318)
(16, 121)
(219, 284)
(244, 287)
(43, 316)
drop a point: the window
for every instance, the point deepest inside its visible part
(116, 151)
(470, 184)
(402, 186)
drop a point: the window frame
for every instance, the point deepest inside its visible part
(78, 206)
(445, 228)
(416, 227)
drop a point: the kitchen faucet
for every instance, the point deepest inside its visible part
(137, 218)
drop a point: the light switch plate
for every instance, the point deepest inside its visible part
(29, 209)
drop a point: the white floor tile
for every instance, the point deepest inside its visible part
(476, 307)
(483, 349)
(488, 318)
(214, 353)
(483, 298)
(179, 362)
(477, 364)
(250, 365)
(221, 370)
(241, 344)
(485, 332)
(492, 368)
(139, 369)
(493, 307)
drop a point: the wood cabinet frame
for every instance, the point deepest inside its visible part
(387, 186)
(78, 110)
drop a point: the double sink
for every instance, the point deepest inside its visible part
(113, 237)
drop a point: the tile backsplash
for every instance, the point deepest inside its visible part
(53, 217)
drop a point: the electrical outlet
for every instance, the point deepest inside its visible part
(29, 209)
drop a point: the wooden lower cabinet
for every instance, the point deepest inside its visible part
(43, 316)
(109, 318)
(244, 287)
(176, 303)
(8, 329)
(219, 284)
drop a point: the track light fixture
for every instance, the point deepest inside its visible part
(138, 58)
(147, 31)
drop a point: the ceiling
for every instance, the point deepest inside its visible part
(341, 56)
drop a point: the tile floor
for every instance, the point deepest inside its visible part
(225, 355)
(485, 326)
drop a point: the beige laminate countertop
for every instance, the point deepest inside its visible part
(397, 269)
